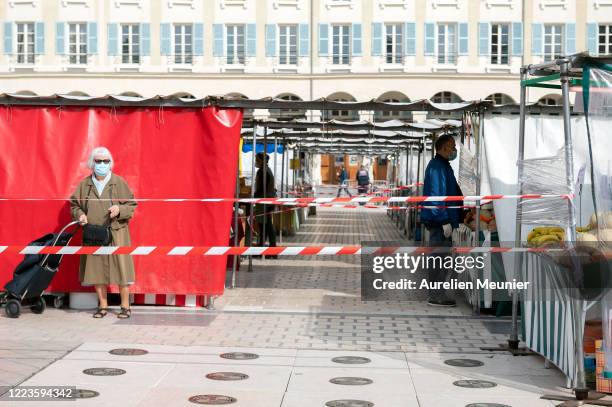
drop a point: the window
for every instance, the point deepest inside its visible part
(287, 114)
(183, 44)
(447, 43)
(550, 100)
(235, 44)
(500, 99)
(445, 97)
(553, 41)
(393, 44)
(77, 43)
(341, 46)
(288, 45)
(25, 43)
(605, 39)
(500, 40)
(130, 44)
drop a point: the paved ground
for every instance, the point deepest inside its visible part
(297, 315)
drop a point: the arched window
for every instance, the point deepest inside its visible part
(288, 114)
(183, 95)
(26, 93)
(337, 114)
(500, 99)
(392, 97)
(131, 94)
(445, 97)
(77, 93)
(550, 100)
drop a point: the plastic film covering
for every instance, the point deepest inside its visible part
(467, 171)
(545, 176)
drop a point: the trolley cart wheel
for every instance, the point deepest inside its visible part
(13, 308)
(59, 301)
(39, 305)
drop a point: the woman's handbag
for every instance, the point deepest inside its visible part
(97, 235)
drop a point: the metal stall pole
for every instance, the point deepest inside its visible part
(251, 206)
(265, 192)
(280, 231)
(408, 183)
(236, 213)
(418, 188)
(275, 158)
(476, 296)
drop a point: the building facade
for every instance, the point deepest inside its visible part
(392, 50)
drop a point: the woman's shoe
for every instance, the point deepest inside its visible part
(125, 313)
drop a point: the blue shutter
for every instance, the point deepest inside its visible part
(39, 33)
(410, 30)
(570, 39)
(145, 39)
(377, 39)
(92, 38)
(251, 35)
(517, 39)
(463, 39)
(270, 40)
(198, 39)
(304, 36)
(165, 33)
(592, 43)
(537, 34)
(323, 40)
(60, 38)
(218, 49)
(483, 39)
(8, 37)
(113, 31)
(356, 34)
(430, 43)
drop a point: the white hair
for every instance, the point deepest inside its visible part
(99, 151)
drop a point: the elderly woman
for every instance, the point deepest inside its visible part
(104, 198)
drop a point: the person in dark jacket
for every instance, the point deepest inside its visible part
(343, 179)
(440, 221)
(262, 211)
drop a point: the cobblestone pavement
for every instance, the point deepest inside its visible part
(302, 309)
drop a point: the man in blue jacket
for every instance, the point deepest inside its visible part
(440, 181)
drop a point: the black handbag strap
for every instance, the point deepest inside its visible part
(110, 192)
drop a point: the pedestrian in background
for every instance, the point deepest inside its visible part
(343, 179)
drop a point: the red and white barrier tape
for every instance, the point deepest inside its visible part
(254, 250)
(366, 199)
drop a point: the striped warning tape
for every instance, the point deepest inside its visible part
(256, 250)
(365, 199)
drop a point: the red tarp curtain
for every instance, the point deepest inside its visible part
(161, 153)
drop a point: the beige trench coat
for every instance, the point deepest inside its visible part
(113, 269)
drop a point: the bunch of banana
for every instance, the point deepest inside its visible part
(543, 236)
(583, 229)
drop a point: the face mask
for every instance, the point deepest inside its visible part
(452, 156)
(101, 169)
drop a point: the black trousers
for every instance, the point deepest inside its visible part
(270, 230)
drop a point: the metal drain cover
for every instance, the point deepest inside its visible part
(487, 405)
(239, 356)
(227, 376)
(84, 394)
(463, 362)
(128, 352)
(475, 384)
(351, 381)
(351, 360)
(104, 371)
(212, 399)
(349, 403)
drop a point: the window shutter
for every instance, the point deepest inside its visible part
(39, 33)
(145, 39)
(60, 38)
(592, 43)
(198, 39)
(517, 39)
(430, 43)
(410, 32)
(270, 40)
(323, 40)
(356, 34)
(8, 37)
(165, 32)
(377, 39)
(304, 38)
(463, 39)
(537, 32)
(251, 35)
(92, 38)
(218, 49)
(483, 39)
(570, 38)
(113, 30)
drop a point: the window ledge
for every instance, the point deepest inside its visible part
(233, 68)
(444, 68)
(391, 68)
(128, 68)
(285, 69)
(339, 68)
(498, 69)
(180, 68)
